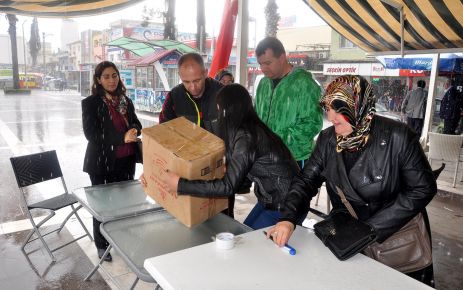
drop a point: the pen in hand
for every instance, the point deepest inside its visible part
(286, 248)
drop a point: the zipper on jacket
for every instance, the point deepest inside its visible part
(196, 107)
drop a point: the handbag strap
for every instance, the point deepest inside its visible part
(346, 202)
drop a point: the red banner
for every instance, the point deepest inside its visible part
(225, 39)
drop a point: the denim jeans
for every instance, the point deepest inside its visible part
(260, 218)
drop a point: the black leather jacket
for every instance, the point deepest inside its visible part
(388, 185)
(271, 173)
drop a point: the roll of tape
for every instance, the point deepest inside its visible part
(224, 241)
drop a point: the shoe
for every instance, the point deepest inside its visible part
(108, 257)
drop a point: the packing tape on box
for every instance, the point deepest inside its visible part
(225, 241)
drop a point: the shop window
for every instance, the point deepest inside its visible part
(345, 43)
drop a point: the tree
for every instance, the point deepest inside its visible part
(147, 14)
(34, 41)
(169, 24)
(272, 17)
(168, 16)
(200, 27)
(14, 48)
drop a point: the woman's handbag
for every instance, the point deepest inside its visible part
(139, 152)
(344, 235)
(407, 250)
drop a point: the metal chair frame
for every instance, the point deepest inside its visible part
(36, 168)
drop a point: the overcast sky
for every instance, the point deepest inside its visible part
(185, 18)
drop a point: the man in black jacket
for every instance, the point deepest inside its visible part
(195, 97)
(450, 108)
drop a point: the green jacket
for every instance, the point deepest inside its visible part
(292, 110)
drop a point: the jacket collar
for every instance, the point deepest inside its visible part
(335, 170)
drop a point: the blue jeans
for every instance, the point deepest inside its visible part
(260, 218)
(301, 163)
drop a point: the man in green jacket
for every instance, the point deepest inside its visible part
(287, 100)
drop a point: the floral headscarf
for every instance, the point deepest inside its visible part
(352, 96)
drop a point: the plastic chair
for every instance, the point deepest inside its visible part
(447, 148)
(36, 168)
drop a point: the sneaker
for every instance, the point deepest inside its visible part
(108, 257)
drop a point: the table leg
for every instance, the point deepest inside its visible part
(99, 263)
(134, 284)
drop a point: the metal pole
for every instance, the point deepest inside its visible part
(242, 53)
(431, 100)
(43, 52)
(25, 61)
(402, 24)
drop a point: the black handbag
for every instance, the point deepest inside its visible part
(139, 152)
(344, 235)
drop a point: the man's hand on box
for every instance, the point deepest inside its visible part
(143, 180)
(171, 180)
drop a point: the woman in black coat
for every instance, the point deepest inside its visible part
(252, 151)
(111, 128)
(378, 163)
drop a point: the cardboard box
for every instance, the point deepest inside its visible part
(193, 153)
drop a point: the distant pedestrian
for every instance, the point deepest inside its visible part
(414, 106)
(450, 108)
(225, 77)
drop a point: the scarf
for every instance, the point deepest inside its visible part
(119, 103)
(353, 97)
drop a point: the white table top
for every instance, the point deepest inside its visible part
(256, 263)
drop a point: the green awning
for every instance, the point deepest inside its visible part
(142, 48)
(63, 8)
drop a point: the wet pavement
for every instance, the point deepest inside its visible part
(52, 121)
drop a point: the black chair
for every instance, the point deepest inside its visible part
(36, 168)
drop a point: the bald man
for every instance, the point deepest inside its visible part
(195, 97)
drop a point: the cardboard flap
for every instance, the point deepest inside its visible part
(185, 139)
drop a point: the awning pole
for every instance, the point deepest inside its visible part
(402, 21)
(430, 102)
(242, 45)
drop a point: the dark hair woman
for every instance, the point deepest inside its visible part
(111, 128)
(253, 151)
(376, 162)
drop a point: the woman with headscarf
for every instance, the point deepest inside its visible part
(377, 162)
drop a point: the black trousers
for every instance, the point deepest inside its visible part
(450, 125)
(416, 124)
(125, 171)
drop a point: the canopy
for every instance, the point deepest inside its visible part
(142, 48)
(449, 63)
(152, 57)
(65, 8)
(375, 25)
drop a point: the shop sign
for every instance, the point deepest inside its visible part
(340, 68)
(413, 73)
(127, 77)
(363, 69)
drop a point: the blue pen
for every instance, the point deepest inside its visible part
(286, 248)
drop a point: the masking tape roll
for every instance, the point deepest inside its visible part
(224, 241)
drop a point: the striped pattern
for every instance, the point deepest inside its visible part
(55, 8)
(374, 25)
(35, 168)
